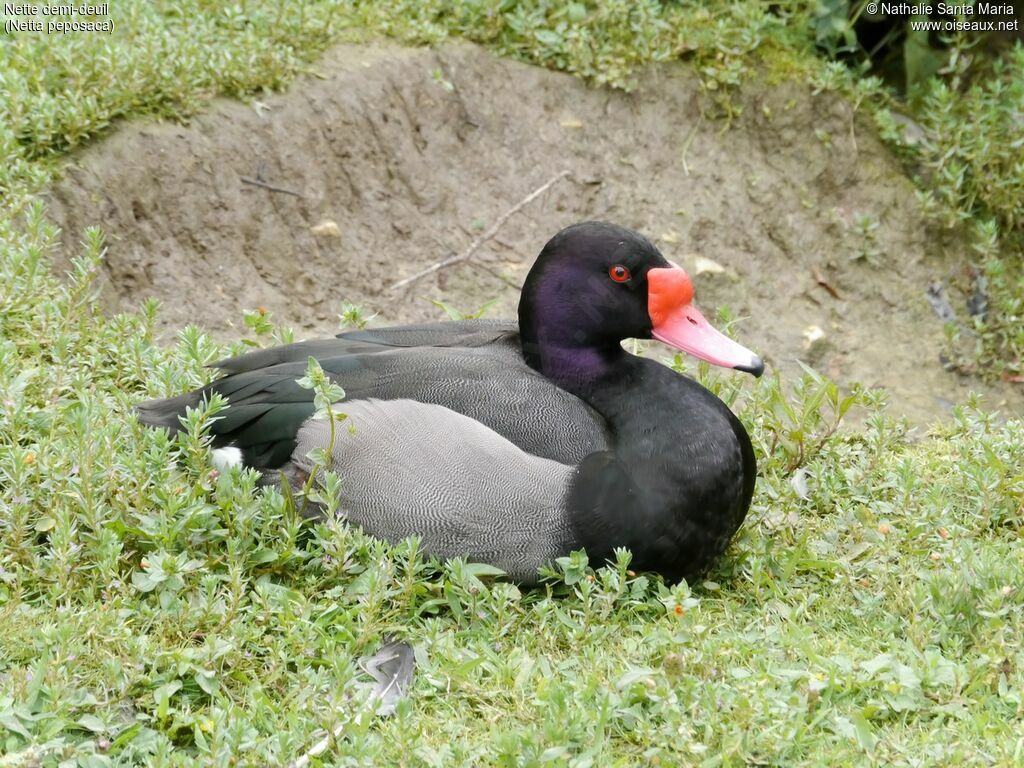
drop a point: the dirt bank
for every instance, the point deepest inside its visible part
(400, 157)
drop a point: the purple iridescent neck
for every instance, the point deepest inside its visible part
(563, 336)
(576, 369)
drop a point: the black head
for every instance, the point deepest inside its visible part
(596, 284)
(576, 295)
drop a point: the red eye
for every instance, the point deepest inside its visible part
(618, 273)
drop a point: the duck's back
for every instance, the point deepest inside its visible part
(474, 368)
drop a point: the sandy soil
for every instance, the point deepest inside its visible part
(401, 157)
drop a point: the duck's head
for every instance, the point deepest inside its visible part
(596, 284)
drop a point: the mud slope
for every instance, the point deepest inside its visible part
(412, 152)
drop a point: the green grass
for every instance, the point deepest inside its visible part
(154, 611)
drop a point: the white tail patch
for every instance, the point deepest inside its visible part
(226, 458)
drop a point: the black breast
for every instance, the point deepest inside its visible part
(676, 484)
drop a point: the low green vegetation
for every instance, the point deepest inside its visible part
(156, 611)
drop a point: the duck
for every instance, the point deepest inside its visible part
(515, 443)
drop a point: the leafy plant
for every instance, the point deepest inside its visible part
(353, 316)
(326, 394)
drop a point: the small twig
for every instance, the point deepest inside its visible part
(493, 272)
(496, 275)
(491, 232)
(853, 127)
(687, 142)
(270, 187)
(820, 280)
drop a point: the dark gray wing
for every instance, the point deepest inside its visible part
(460, 333)
(472, 367)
